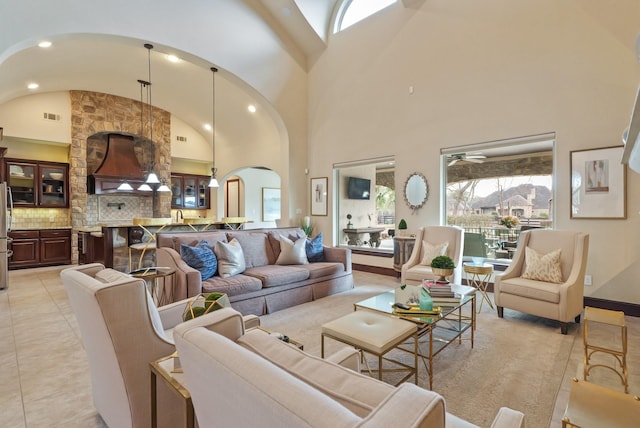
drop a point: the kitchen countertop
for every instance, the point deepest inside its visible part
(40, 228)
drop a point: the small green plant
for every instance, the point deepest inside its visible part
(402, 225)
(306, 226)
(212, 302)
(443, 262)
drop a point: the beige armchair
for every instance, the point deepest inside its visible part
(562, 301)
(123, 331)
(413, 271)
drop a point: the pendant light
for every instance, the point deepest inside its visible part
(163, 187)
(144, 187)
(214, 181)
(125, 186)
(152, 178)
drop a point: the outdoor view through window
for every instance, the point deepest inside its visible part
(496, 193)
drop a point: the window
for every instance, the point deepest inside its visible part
(352, 11)
(496, 190)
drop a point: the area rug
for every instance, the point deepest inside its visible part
(518, 361)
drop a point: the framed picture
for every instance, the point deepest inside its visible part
(319, 195)
(598, 184)
(270, 204)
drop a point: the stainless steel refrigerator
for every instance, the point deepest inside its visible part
(6, 218)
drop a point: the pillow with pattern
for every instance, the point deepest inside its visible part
(431, 251)
(314, 249)
(542, 267)
(230, 258)
(200, 257)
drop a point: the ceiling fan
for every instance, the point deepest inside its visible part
(457, 157)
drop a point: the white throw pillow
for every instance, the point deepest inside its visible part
(230, 258)
(292, 253)
(431, 251)
(542, 267)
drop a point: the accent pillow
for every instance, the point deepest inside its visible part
(542, 267)
(230, 258)
(431, 251)
(200, 257)
(314, 249)
(292, 253)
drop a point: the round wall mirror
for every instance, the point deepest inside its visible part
(416, 190)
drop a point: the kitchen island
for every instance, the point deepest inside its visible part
(108, 243)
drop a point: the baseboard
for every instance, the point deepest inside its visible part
(374, 269)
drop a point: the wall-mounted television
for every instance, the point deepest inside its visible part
(358, 188)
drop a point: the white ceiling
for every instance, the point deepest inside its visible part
(113, 64)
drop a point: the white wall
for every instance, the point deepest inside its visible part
(23, 117)
(482, 71)
(253, 180)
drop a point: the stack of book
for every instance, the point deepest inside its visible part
(441, 294)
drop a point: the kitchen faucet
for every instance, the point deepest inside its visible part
(179, 213)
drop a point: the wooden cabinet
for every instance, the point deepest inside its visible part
(402, 249)
(38, 184)
(90, 247)
(190, 191)
(33, 248)
(55, 247)
(25, 247)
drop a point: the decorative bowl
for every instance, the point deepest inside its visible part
(56, 175)
(478, 261)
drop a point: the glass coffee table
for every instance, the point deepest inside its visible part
(438, 331)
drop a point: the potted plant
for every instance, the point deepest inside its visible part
(442, 266)
(509, 221)
(402, 227)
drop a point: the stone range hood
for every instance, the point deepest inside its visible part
(120, 163)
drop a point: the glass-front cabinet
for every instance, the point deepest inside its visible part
(190, 191)
(38, 184)
(53, 186)
(22, 179)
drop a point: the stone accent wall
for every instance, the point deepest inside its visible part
(93, 113)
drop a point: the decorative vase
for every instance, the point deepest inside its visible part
(442, 273)
(426, 303)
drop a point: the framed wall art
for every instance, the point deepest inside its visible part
(598, 184)
(270, 204)
(319, 195)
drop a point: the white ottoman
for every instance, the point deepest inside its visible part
(376, 334)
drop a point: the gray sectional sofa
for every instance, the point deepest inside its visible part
(264, 286)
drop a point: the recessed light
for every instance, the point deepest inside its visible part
(44, 44)
(173, 58)
(207, 127)
(33, 86)
(251, 108)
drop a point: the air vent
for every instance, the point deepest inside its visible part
(183, 139)
(51, 116)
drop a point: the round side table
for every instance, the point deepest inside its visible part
(478, 276)
(161, 281)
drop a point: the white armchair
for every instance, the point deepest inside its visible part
(562, 301)
(123, 331)
(413, 271)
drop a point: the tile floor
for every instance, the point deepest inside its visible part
(44, 376)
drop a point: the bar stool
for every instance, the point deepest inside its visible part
(148, 243)
(614, 319)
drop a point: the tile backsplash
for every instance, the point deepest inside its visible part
(117, 208)
(35, 218)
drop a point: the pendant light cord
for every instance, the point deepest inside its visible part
(213, 121)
